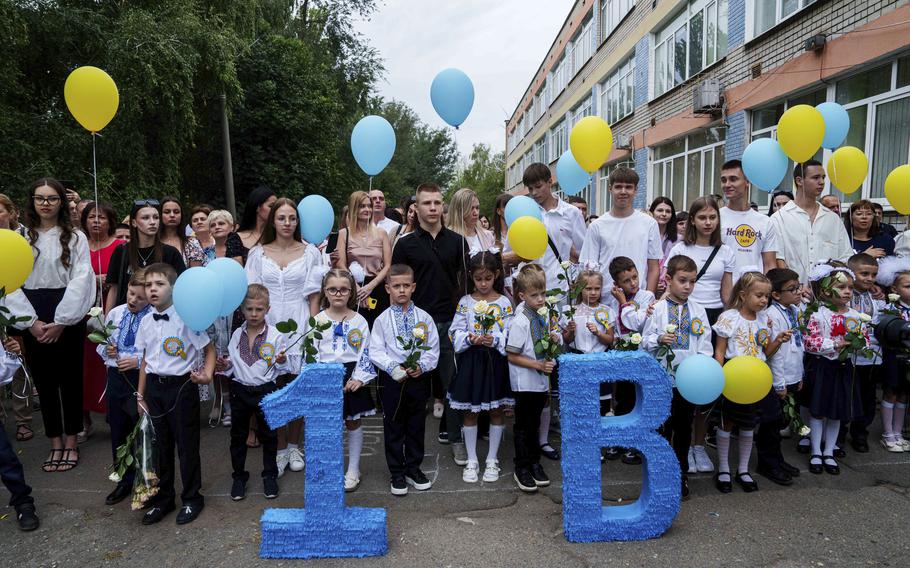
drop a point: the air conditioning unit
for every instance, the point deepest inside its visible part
(708, 98)
(623, 142)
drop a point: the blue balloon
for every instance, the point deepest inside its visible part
(837, 124)
(521, 206)
(233, 279)
(316, 218)
(452, 95)
(198, 296)
(571, 177)
(765, 164)
(700, 379)
(373, 144)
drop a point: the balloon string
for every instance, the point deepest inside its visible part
(97, 209)
(371, 183)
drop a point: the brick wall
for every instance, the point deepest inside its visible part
(737, 136)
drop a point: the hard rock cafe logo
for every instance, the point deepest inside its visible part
(745, 235)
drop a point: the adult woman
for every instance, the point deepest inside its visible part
(292, 272)
(362, 243)
(410, 219)
(778, 200)
(664, 213)
(255, 216)
(56, 296)
(145, 248)
(865, 233)
(173, 232)
(199, 223)
(98, 222)
(225, 242)
(464, 214)
(485, 222)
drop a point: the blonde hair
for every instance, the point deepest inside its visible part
(256, 292)
(584, 275)
(220, 215)
(137, 278)
(743, 285)
(11, 208)
(353, 210)
(530, 277)
(459, 206)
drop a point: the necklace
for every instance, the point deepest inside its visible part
(143, 259)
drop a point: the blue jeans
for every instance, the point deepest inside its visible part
(12, 474)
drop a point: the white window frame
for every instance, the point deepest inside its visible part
(603, 185)
(663, 41)
(618, 88)
(751, 22)
(667, 165)
(558, 142)
(582, 110)
(611, 14)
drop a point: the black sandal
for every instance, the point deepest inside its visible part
(68, 464)
(50, 462)
(815, 468)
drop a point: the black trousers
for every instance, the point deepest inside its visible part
(122, 414)
(245, 403)
(56, 367)
(678, 429)
(404, 421)
(767, 437)
(12, 474)
(176, 401)
(528, 406)
(859, 427)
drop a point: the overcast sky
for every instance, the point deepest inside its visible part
(498, 43)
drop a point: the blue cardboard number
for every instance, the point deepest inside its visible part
(584, 432)
(325, 528)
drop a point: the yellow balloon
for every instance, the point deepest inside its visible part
(92, 97)
(747, 380)
(847, 168)
(800, 132)
(16, 260)
(528, 237)
(591, 142)
(897, 189)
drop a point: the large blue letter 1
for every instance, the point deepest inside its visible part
(584, 432)
(325, 528)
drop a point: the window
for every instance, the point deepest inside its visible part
(603, 184)
(612, 13)
(581, 111)
(768, 13)
(558, 140)
(688, 168)
(560, 77)
(583, 46)
(617, 97)
(694, 40)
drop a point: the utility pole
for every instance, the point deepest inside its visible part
(226, 151)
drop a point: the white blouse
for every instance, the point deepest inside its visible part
(290, 287)
(49, 272)
(601, 316)
(744, 337)
(465, 323)
(347, 342)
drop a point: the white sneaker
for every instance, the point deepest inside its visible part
(295, 459)
(702, 462)
(491, 471)
(282, 461)
(692, 467)
(351, 482)
(469, 475)
(892, 446)
(904, 443)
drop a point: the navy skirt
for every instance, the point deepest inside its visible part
(359, 403)
(894, 373)
(481, 380)
(831, 389)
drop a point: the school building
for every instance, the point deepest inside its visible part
(687, 84)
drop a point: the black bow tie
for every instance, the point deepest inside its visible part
(159, 317)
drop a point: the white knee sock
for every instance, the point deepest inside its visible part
(887, 420)
(745, 450)
(900, 411)
(723, 451)
(817, 427)
(469, 433)
(544, 431)
(355, 447)
(832, 427)
(496, 433)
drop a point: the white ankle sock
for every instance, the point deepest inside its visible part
(900, 412)
(469, 433)
(832, 427)
(887, 420)
(496, 433)
(745, 450)
(544, 431)
(283, 452)
(817, 427)
(292, 447)
(723, 451)
(355, 446)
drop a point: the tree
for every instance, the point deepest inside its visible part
(485, 174)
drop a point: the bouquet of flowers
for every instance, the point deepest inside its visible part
(665, 352)
(104, 331)
(317, 325)
(628, 342)
(547, 347)
(145, 460)
(485, 317)
(416, 346)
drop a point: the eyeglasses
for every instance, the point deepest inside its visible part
(51, 200)
(792, 289)
(144, 202)
(337, 291)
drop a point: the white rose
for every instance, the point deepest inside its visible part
(419, 333)
(543, 312)
(565, 265)
(635, 339)
(115, 477)
(840, 277)
(481, 307)
(552, 300)
(671, 328)
(865, 318)
(893, 298)
(95, 312)
(322, 319)
(804, 431)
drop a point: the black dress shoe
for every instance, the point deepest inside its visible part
(839, 453)
(777, 475)
(723, 486)
(685, 487)
(831, 468)
(28, 520)
(549, 452)
(121, 492)
(156, 513)
(188, 513)
(860, 446)
(611, 454)
(631, 457)
(803, 448)
(792, 470)
(748, 485)
(816, 468)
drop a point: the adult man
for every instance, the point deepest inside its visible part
(623, 231)
(579, 202)
(832, 203)
(886, 228)
(565, 225)
(379, 219)
(437, 255)
(807, 233)
(748, 233)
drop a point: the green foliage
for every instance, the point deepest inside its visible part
(485, 174)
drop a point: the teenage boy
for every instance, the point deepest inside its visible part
(399, 332)
(257, 356)
(681, 324)
(748, 233)
(122, 360)
(624, 231)
(167, 391)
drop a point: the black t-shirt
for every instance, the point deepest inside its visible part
(119, 270)
(881, 240)
(437, 264)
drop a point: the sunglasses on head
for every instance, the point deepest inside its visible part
(144, 202)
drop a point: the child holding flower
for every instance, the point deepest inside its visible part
(895, 272)
(595, 325)
(481, 382)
